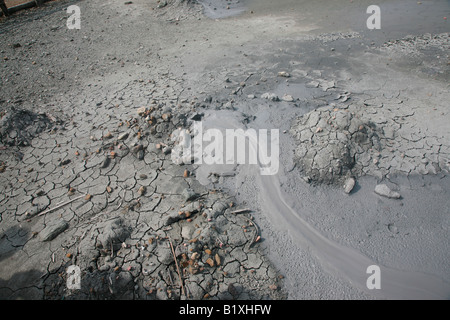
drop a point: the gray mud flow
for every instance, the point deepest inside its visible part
(321, 220)
(266, 192)
(346, 261)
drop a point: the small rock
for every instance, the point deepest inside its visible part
(385, 191)
(64, 162)
(217, 258)
(166, 116)
(142, 190)
(141, 155)
(195, 256)
(287, 98)
(106, 162)
(283, 74)
(52, 231)
(270, 96)
(167, 150)
(210, 262)
(123, 136)
(349, 185)
(162, 4)
(142, 111)
(189, 194)
(137, 148)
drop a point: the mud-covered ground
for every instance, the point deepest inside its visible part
(89, 178)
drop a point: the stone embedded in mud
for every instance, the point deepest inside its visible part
(52, 231)
(106, 162)
(287, 98)
(142, 111)
(210, 262)
(349, 185)
(283, 74)
(385, 191)
(142, 190)
(189, 195)
(270, 96)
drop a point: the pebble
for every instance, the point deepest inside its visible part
(283, 74)
(270, 96)
(210, 262)
(287, 98)
(142, 111)
(349, 185)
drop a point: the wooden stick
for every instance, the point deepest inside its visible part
(241, 211)
(60, 205)
(257, 231)
(178, 270)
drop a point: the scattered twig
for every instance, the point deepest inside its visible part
(60, 205)
(112, 250)
(176, 263)
(241, 211)
(170, 277)
(257, 231)
(121, 200)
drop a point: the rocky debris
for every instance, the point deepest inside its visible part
(52, 231)
(18, 127)
(385, 191)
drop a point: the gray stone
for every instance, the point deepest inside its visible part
(51, 232)
(349, 185)
(287, 98)
(189, 194)
(270, 96)
(385, 191)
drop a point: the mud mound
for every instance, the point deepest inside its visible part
(333, 144)
(18, 126)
